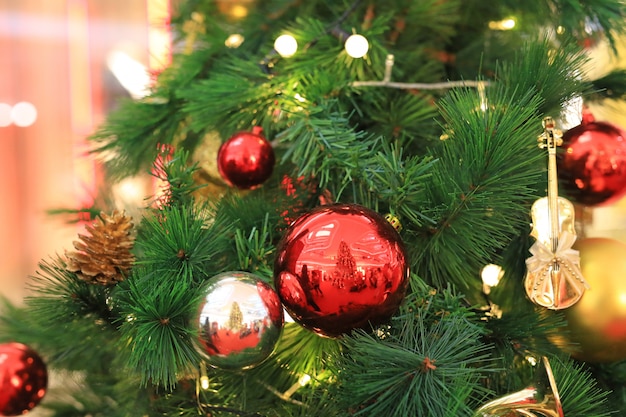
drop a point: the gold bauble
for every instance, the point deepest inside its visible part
(235, 9)
(207, 175)
(597, 322)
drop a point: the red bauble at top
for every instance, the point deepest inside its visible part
(341, 267)
(592, 166)
(246, 160)
(23, 379)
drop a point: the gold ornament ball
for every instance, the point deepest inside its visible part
(235, 9)
(598, 321)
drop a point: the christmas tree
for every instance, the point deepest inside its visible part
(362, 173)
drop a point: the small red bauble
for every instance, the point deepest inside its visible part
(341, 267)
(23, 379)
(246, 159)
(592, 166)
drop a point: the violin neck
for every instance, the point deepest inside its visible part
(553, 197)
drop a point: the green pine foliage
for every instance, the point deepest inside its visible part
(458, 165)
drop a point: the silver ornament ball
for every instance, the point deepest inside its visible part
(240, 320)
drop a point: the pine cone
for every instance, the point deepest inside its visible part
(105, 257)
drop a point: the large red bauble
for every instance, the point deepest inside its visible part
(246, 159)
(23, 379)
(341, 267)
(592, 167)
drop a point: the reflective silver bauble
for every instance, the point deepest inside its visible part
(240, 320)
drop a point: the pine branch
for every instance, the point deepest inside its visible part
(610, 86)
(482, 184)
(256, 251)
(130, 139)
(221, 101)
(176, 172)
(550, 75)
(604, 18)
(59, 294)
(65, 318)
(580, 393)
(416, 368)
(399, 183)
(322, 140)
(304, 352)
(157, 335)
(181, 240)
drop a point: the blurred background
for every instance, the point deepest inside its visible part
(63, 66)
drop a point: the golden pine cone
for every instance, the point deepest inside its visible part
(105, 257)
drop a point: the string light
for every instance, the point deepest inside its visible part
(302, 381)
(491, 275)
(286, 45)
(506, 24)
(234, 41)
(356, 46)
(204, 378)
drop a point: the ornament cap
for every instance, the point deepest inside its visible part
(587, 116)
(257, 130)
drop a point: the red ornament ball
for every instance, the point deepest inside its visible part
(246, 159)
(240, 320)
(23, 379)
(592, 166)
(341, 267)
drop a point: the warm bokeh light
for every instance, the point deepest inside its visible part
(304, 379)
(24, 114)
(505, 24)
(357, 46)
(491, 275)
(234, 41)
(286, 45)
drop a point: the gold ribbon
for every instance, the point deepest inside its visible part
(544, 258)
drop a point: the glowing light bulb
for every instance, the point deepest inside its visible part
(357, 46)
(304, 379)
(234, 41)
(491, 275)
(24, 114)
(204, 378)
(204, 382)
(506, 24)
(286, 45)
